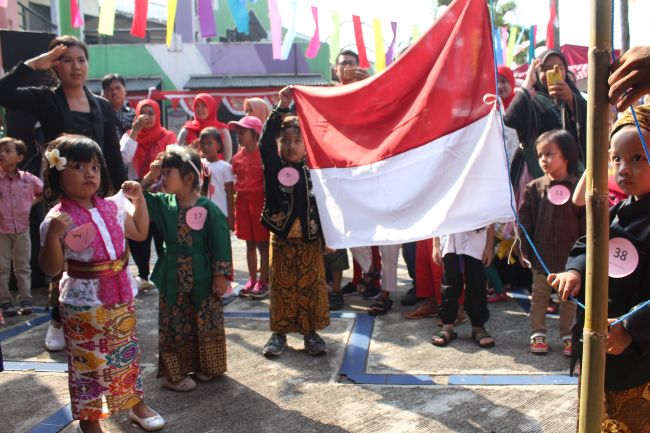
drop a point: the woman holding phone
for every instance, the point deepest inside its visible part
(547, 100)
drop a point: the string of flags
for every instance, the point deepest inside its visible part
(507, 41)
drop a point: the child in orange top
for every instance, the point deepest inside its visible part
(249, 185)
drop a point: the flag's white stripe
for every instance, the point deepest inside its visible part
(455, 183)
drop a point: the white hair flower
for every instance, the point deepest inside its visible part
(180, 151)
(55, 159)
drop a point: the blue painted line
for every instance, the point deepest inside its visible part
(356, 352)
(265, 314)
(38, 366)
(522, 299)
(55, 422)
(512, 379)
(12, 332)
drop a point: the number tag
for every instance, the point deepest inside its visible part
(623, 258)
(195, 217)
(559, 194)
(80, 238)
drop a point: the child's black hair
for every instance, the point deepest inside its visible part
(213, 132)
(174, 159)
(74, 148)
(566, 144)
(21, 148)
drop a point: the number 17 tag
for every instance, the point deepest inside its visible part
(195, 217)
(623, 258)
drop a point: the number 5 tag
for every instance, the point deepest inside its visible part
(623, 258)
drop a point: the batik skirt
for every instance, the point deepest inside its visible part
(103, 359)
(627, 411)
(299, 301)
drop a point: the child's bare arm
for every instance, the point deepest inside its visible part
(437, 255)
(51, 257)
(137, 225)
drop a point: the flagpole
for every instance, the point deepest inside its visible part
(595, 330)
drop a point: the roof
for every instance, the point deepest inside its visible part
(133, 84)
(253, 81)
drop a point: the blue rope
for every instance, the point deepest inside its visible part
(510, 187)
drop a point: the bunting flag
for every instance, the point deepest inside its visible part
(276, 29)
(512, 39)
(76, 20)
(550, 28)
(390, 54)
(291, 31)
(240, 15)
(532, 36)
(361, 45)
(314, 43)
(334, 38)
(206, 19)
(415, 33)
(498, 49)
(3, 3)
(106, 18)
(380, 52)
(414, 152)
(139, 24)
(171, 20)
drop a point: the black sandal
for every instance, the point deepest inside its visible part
(367, 281)
(479, 333)
(446, 336)
(381, 307)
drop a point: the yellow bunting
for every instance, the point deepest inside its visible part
(106, 17)
(380, 52)
(171, 20)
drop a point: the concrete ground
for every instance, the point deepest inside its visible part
(379, 375)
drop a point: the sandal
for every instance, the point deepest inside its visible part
(479, 334)
(184, 385)
(443, 337)
(380, 307)
(367, 281)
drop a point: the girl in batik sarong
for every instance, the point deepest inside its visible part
(299, 299)
(192, 273)
(85, 235)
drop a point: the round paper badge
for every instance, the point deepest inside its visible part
(559, 194)
(195, 217)
(288, 176)
(81, 237)
(623, 258)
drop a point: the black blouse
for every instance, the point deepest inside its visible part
(50, 107)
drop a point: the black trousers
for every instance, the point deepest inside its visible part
(141, 251)
(454, 268)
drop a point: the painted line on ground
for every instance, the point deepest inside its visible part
(55, 422)
(38, 366)
(23, 327)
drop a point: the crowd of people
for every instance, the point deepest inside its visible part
(115, 179)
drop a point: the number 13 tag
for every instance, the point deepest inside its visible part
(623, 258)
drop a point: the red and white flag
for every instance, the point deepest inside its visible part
(414, 152)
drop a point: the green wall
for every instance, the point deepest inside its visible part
(128, 60)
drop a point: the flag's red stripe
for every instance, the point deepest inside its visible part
(435, 88)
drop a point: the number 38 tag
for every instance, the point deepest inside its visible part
(623, 258)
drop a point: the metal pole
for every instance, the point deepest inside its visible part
(595, 330)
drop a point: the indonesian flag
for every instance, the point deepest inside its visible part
(414, 152)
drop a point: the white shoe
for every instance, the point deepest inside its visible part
(152, 423)
(54, 339)
(144, 284)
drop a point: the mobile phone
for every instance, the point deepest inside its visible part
(349, 73)
(554, 76)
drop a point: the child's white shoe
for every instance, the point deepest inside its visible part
(54, 339)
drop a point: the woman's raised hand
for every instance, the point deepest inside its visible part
(47, 60)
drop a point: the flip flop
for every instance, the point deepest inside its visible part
(446, 336)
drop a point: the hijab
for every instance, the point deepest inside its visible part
(151, 141)
(259, 108)
(507, 73)
(195, 126)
